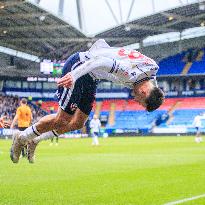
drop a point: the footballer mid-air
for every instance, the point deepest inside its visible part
(77, 89)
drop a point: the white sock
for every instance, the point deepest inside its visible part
(45, 136)
(197, 140)
(29, 133)
(96, 140)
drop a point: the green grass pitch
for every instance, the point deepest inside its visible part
(122, 171)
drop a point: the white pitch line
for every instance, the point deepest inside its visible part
(185, 200)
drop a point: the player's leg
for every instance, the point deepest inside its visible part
(46, 124)
(74, 109)
(63, 124)
(78, 105)
(80, 97)
(45, 128)
(59, 124)
(23, 152)
(57, 140)
(197, 137)
(50, 126)
(60, 119)
(51, 141)
(20, 139)
(93, 138)
(96, 139)
(24, 149)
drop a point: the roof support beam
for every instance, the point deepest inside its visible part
(79, 11)
(181, 2)
(153, 6)
(15, 47)
(112, 12)
(120, 9)
(130, 10)
(65, 40)
(22, 15)
(33, 28)
(164, 28)
(151, 28)
(193, 19)
(60, 7)
(19, 54)
(37, 1)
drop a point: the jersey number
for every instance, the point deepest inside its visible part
(133, 55)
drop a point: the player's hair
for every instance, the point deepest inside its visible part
(154, 100)
(24, 101)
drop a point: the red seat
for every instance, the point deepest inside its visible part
(48, 105)
(192, 103)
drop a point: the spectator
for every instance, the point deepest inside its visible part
(8, 107)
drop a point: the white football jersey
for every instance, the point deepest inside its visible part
(95, 124)
(118, 65)
(198, 120)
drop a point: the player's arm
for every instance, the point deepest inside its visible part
(202, 117)
(14, 121)
(99, 62)
(91, 124)
(1, 123)
(194, 122)
(4, 123)
(31, 116)
(99, 124)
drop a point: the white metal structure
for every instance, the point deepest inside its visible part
(91, 16)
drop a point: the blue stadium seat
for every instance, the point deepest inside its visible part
(135, 119)
(197, 67)
(185, 116)
(172, 65)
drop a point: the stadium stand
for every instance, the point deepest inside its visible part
(172, 65)
(193, 60)
(18, 67)
(5, 60)
(185, 112)
(130, 115)
(49, 106)
(199, 65)
(9, 104)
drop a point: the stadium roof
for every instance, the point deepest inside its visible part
(27, 27)
(174, 20)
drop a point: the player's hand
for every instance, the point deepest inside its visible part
(66, 81)
(4, 123)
